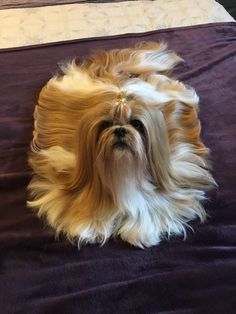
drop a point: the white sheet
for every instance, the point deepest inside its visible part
(30, 26)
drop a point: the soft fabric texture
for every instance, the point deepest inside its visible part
(46, 24)
(42, 275)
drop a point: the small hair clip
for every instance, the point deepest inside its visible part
(121, 98)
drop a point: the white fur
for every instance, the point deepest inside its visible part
(159, 61)
(76, 80)
(149, 93)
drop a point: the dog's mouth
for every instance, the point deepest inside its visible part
(120, 145)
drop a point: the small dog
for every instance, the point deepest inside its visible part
(116, 149)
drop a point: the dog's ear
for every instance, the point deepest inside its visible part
(55, 119)
(181, 115)
(57, 112)
(61, 104)
(158, 149)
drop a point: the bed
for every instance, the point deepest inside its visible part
(41, 274)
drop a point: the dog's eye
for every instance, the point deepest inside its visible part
(105, 125)
(136, 124)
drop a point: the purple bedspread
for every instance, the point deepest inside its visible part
(39, 274)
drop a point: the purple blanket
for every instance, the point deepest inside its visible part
(39, 274)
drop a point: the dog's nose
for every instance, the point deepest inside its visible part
(120, 132)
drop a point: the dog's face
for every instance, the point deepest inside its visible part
(122, 140)
(122, 129)
(120, 132)
(117, 148)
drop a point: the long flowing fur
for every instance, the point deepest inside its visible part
(150, 182)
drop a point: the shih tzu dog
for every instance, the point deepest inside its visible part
(116, 149)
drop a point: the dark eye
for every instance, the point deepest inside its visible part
(136, 124)
(105, 125)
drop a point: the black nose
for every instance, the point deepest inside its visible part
(120, 132)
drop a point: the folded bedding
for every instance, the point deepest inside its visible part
(41, 274)
(82, 19)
